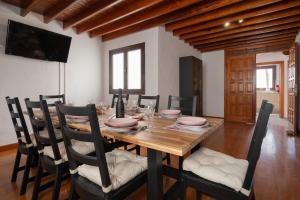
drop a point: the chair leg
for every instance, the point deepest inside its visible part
(26, 174)
(168, 159)
(182, 190)
(73, 195)
(253, 196)
(138, 150)
(57, 184)
(198, 195)
(37, 182)
(16, 166)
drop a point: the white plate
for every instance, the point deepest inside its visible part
(191, 128)
(122, 130)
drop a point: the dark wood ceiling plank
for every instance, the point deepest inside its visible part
(29, 7)
(250, 21)
(151, 12)
(199, 8)
(261, 41)
(285, 44)
(249, 28)
(91, 11)
(57, 10)
(222, 12)
(244, 15)
(260, 37)
(112, 15)
(248, 33)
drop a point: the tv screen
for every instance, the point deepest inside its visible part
(32, 42)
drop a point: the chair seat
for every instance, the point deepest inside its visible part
(43, 133)
(217, 167)
(123, 166)
(81, 147)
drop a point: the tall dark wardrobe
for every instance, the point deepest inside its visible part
(190, 79)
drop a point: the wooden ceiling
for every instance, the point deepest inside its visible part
(200, 23)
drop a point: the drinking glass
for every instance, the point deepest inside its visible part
(149, 113)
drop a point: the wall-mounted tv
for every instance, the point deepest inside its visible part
(31, 42)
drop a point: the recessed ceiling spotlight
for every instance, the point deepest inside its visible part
(227, 24)
(241, 21)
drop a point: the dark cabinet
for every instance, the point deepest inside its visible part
(190, 79)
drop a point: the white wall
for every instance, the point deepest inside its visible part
(298, 38)
(170, 49)
(276, 56)
(213, 83)
(150, 38)
(24, 77)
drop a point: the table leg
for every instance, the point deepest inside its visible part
(155, 175)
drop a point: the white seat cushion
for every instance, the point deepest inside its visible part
(123, 166)
(217, 167)
(80, 147)
(43, 133)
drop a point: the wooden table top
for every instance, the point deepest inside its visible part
(159, 137)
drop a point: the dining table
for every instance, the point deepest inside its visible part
(160, 137)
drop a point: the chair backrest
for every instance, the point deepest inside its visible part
(59, 97)
(187, 105)
(256, 142)
(156, 98)
(116, 96)
(94, 136)
(37, 123)
(18, 120)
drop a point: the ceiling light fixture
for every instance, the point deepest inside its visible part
(241, 21)
(227, 24)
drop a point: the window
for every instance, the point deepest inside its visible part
(127, 69)
(266, 78)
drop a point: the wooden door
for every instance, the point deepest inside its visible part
(240, 86)
(292, 88)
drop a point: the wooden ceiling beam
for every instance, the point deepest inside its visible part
(246, 39)
(252, 21)
(281, 44)
(57, 9)
(248, 33)
(248, 28)
(244, 15)
(29, 7)
(222, 12)
(260, 41)
(200, 8)
(89, 12)
(114, 14)
(151, 12)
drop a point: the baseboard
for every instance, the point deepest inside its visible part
(8, 147)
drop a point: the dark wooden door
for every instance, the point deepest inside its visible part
(240, 87)
(292, 88)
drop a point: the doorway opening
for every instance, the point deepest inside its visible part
(270, 84)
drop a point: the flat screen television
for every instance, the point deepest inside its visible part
(31, 42)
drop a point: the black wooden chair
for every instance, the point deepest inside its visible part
(116, 96)
(234, 179)
(50, 148)
(187, 105)
(153, 98)
(26, 144)
(112, 166)
(59, 97)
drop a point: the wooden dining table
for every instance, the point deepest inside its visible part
(158, 139)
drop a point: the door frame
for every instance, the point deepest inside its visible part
(281, 83)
